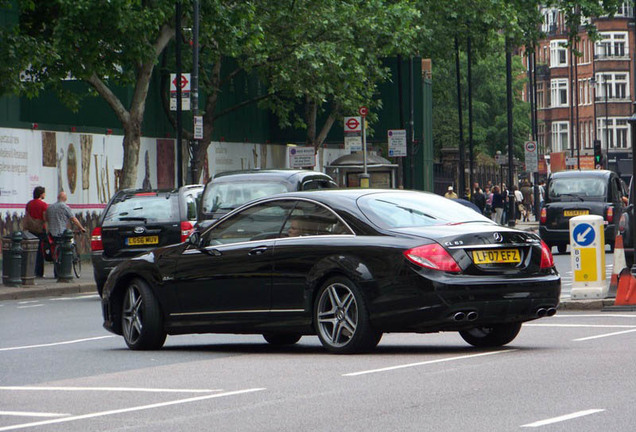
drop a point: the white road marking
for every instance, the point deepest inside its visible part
(28, 301)
(391, 368)
(55, 343)
(582, 325)
(126, 410)
(31, 414)
(74, 297)
(604, 335)
(562, 315)
(30, 306)
(563, 418)
(108, 389)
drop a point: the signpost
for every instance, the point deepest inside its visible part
(185, 92)
(397, 142)
(353, 133)
(302, 157)
(364, 177)
(532, 159)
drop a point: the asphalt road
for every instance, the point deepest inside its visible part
(60, 371)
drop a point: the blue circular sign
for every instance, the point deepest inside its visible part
(584, 234)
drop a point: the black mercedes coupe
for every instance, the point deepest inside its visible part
(346, 265)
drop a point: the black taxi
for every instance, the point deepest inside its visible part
(576, 193)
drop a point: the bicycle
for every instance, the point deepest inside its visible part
(57, 256)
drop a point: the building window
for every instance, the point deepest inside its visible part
(613, 85)
(559, 92)
(616, 130)
(612, 44)
(558, 53)
(625, 10)
(584, 92)
(541, 138)
(540, 96)
(560, 136)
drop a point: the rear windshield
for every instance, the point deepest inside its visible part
(147, 206)
(401, 210)
(228, 196)
(577, 188)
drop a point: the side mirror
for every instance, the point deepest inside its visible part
(195, 239)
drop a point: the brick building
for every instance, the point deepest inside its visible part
(578, 99)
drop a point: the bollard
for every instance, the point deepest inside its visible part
(14, 257)
(65, 270)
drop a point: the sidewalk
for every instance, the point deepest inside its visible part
(49, 286)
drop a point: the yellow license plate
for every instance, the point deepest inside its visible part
(575, 212)
(496, 256)
(145, 240)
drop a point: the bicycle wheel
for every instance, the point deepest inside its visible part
(77, 262)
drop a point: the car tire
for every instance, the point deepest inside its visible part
(341, 318)
(281, 338)
(562, 248)
(493, 335)
(142, 323)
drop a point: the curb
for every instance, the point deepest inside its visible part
(585, 305)
(64, 288)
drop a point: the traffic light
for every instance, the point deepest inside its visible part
(598, 154)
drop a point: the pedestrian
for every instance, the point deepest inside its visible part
(527, 190)
(519, 207)
(58, 216)
(497, 204)
(479, 199)
(450, 194)
(488, 209)
(34, 222)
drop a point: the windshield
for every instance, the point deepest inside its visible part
(401, 210)
(575, 188)
(144, 207)
(228, 196)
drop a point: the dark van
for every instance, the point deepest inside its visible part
(576, 193)
(228, 190)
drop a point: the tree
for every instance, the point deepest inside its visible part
(107, 45)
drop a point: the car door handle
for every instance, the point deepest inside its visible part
(259, 250)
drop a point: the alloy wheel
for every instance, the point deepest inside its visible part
(337, 314)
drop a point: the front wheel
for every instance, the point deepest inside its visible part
(342, 319)
(142, 323)
(493, 335)
(77, 262)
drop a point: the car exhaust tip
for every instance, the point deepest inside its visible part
(459, 316)
(471, 316)
(551, 312)
(541, 312)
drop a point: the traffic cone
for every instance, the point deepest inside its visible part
(619, 264)
(626, 293)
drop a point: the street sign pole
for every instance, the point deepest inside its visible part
(179, 120)
(364, 178)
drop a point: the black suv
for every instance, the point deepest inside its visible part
(136, 221)
(576, 193)
(229, 190)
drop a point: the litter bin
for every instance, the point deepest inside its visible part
(30, 246)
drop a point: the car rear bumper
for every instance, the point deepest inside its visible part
(562, 236)
(459, 303)
(102, 266)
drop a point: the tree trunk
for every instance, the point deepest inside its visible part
(131, 143)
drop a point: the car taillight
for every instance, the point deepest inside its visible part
(96, 239)
(186, 230)
(544, 215)
(432, 256)
(547, 261)
(610, 214)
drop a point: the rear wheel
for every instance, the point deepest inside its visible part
(142, 323)
(281, 339)
(562, 248)
(491, 335)
(342, 319)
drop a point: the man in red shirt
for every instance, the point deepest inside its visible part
(36, 208)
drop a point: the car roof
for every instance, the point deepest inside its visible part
(161, 190)
(285, 174)
(583, 173)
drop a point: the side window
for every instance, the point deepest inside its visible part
(254, 223)
(312, 219)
